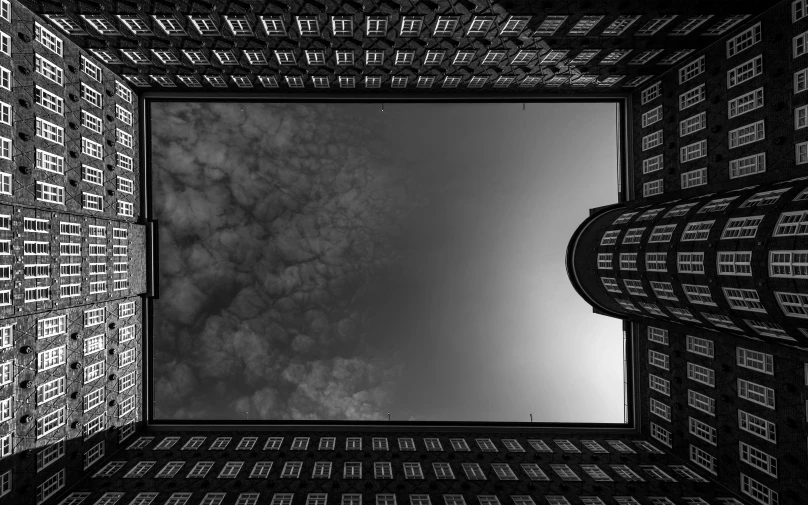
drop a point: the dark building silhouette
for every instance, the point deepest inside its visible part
(702, 257)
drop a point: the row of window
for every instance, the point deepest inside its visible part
(71, 290)
(381, 444)
(380, 25)
(37, 225)
(384, 470)
(790, 264)
(252, 498)
(792, 223)
(375, 81)
(376, 57)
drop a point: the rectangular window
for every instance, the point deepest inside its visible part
(703, 459)
(662, 233)
(755, 360)
(701, 346)
(50, 391)
(691, 262)
(605, 261)
(50, 454)
(94, 371)
(652, 116)
(747, 134)
(633, 236)
(48, 39)
(48, 100)
(93, 399)
(658, 359)
(701, 374)
(659, 384)
(50, 71)
(744, 40)
(50, 358)
(93, 344)
(696, 231)
(48, 423)
(652, 188)
(746, 227)
(50, 131)
(693, 151)
(628, 261)
(694, 178)
(701, 402)
(757, 426)
(652, 140)
(756, 393)
(691, 70)
(609, 238)
(745, 72)
(758, 491)
(758, 459)
(91, 96)
(745, 103)
(663, 290)
(653, 164)
(656, 262)
(693, 124)
(691, 97)
(49, 486)
(702, 430)
(734, 263)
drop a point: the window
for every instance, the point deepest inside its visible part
(662, 233)
(756, 393)
(767, 329)
(652, 188)
(758, 459)
(50, 162)
(691, 70)
(746, 134)
(745, 72)
(652, 140)
(628, 261)
(93, 371)
(692, 97)
(50, 454)
(353, 444)
(565, 472)
(693, 151)
(744, 299)
(758, 491)
(744, 40)
(652, 116)
(49, 486)
(322, 470)
(220, 443)
(694, 178)
(634, 287)
(702, 430)
(48, 39)
(734, 263)
(49, 100)
(659, 384)
(746, 102)
(663, 290)
(261, 470)
(658, 359)
(50, 131)
(701, 402)
(48, 70)
(443, 471)
(382, 470)
(653, 164)
(458, 444)
(230, 470)
(126, 381)
(413, 471)
(701, 374)
(90, 201)
(693, 124)
(757, 426)
(627, 473)
(610, 284)
(633, 236)
(50, 422)
(691, 262)
(744, 227)
(696, 231)
(352, 470)
(200, 470)
(300, 444)
(91, 148)
(658, 335)
(610, 237)
(93, 344)
(605, 261)
(93, 399)
(486, 445)
(656, 262)
(170, 469)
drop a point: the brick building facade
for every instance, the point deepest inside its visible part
(713, 100)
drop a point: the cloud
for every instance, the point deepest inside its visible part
(272, 219)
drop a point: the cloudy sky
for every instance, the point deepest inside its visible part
(340, 261)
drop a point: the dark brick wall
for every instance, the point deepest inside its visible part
(23, 129)
(779, 101)
(368, 486)
(788, 381)
(464, 10)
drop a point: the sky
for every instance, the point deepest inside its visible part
(345, 261)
